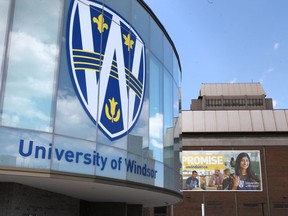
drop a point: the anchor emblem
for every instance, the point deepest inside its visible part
(113, 105)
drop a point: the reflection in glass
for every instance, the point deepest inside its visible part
(159, 181)
(71, 119)
(123, 7)
(156, 40)
(176, 98)
(143, 170)
(138, 137)
(169, 179)
(4, 9)
(168, 55)
(168, 120)
(156, 109)
(141, 129)
(176, 70)
(136, 175)
(138, 15)
(112, 163)
(24, 149)
(72, 155)
(32, 64)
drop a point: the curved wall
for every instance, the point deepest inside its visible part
(67, 82)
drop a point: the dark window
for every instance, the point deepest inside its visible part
(280, 205)
(250, 205)
(160, 211)
(214, 204)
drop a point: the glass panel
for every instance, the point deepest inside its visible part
(176, 70)
(168, 120)
(156, 40)
(75, 156)
(4, 9)
(159, 180)
(112, 162)
(176, 105)
(168, 55)
(138, 137)
(69, 111)
(156, 109)
(120, 143)
(71, 119)
(32, 64)
(143, 170)
(24, 149)
(140, 21)
(169, 179)
(135, 144)
(123, 7)
(136, 171)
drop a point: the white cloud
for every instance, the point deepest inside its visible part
(276, 46)
(32, 65)
(21, 112)
(141, 127)
(68, 108)
(156, 130)
(72, 119)
(265, 73)
(30, 82)
(47, 22)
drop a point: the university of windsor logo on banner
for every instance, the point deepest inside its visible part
(107, 66)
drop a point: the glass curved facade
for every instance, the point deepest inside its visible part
(60, 103)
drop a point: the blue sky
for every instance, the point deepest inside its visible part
(229, 41)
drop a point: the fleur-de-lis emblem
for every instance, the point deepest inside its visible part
(100, 21)
(128, 42)
(111, 115)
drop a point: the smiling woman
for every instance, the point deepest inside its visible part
(245, 178)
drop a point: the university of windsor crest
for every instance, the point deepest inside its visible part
(107, 66)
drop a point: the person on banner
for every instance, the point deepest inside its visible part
(232, 162)
(192, 182)
(216, 179)
(227, 183)
(245, 178)
(203, 182)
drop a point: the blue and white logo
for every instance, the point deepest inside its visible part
(107, 66)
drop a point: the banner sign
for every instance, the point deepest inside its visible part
(206, 161)
(222, 170)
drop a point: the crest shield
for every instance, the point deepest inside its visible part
(107, 66)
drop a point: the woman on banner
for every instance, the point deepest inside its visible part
(245, 178)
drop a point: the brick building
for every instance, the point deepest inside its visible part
(229, 118)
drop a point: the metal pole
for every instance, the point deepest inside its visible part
(203, 209)
(267, 183)
(236, 204)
